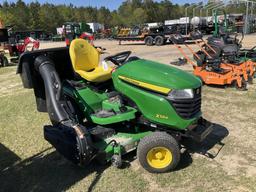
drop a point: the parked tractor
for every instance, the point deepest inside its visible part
(74, 30)
(102, 111)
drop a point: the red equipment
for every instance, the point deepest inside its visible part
(87, 36)
(28, 41)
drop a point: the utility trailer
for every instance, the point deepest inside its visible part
(153, 36)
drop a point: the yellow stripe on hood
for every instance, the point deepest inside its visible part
(146, 85)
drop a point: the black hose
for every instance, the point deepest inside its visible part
(53, 89)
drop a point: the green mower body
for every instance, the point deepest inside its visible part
(105, 120)
(154, 103)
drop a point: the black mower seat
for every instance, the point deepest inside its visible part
(230, 54)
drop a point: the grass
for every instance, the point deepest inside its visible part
(28, 163)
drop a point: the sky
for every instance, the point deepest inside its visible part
(111, 4)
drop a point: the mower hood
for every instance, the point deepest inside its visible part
(157, 74)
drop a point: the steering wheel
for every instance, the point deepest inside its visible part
(119, 58)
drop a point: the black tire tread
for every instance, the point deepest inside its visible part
(244, 85)
(162, 40)
(250, 79)
(149, 43)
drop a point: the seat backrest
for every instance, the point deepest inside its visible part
(83, 55)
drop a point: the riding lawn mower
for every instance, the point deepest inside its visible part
(230, 46)
(102, 111)
(219, 61)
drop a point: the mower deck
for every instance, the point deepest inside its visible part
(228, 74)
(120, 143)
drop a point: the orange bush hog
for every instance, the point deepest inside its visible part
(215, 69)
(232, 54)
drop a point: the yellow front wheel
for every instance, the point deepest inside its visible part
(158, 152)
(159, 157)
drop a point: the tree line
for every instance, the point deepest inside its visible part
(48, 16)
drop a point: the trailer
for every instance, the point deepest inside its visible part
(159, 35)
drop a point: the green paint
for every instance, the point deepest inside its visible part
(216, 22)
(108, 105)
(157, 74)
(119, 117)
(153, 106)
(123, 140)
(92, 98)
(88, 100)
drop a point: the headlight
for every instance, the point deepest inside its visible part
(181, 94)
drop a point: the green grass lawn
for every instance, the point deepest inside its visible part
(28, 163)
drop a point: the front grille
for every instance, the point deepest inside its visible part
(188, 108)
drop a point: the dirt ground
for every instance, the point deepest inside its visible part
(28, 163)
